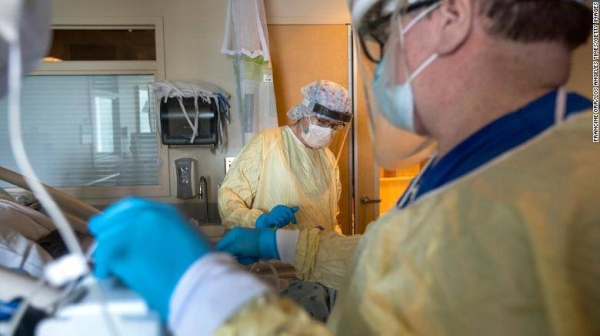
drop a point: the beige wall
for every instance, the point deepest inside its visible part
(307, 11)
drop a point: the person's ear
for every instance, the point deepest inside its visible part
(457, 18)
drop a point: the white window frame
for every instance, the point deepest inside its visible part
(156, 68)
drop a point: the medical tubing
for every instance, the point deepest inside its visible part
(113, 323)
(70, 287)
(275, 274)
(273, 270)
(16, 142)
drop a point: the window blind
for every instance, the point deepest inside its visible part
(87, 130)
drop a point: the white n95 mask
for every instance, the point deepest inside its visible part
(316, 136)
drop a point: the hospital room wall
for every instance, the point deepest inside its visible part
(193, 33)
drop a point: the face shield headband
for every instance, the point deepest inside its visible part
(321, 111)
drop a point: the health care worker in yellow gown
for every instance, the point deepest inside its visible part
(287, 174)
(497, 236)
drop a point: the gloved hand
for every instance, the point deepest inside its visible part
(148, 245)
(279, 217)
(249, 245)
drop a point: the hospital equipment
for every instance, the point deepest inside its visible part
(193, 113)
(175, 126)
(83, 313)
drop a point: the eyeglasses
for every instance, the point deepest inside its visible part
(327, 123)
(374, 33)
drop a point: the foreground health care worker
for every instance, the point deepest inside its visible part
(498, 235)
(288, 174)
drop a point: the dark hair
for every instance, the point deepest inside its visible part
(565, 21)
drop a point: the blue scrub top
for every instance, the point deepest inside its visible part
(495, 139)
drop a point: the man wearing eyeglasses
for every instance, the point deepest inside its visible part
(497, 236)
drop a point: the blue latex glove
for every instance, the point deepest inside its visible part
(249, 245)
(279, 217)
(148, 245)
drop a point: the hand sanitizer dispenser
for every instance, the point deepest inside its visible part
(187, 182)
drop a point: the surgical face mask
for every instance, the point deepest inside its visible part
(396, 102)
(316, 136)
(389, 96)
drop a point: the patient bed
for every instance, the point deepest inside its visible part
(21, 226)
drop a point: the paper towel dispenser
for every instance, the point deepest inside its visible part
(177, 126)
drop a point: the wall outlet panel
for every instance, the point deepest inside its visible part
(228, 162)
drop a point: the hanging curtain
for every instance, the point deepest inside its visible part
(246, 39)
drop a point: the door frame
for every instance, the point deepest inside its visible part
(365, 181)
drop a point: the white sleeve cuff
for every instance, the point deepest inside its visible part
(209, 292)
(286, 245)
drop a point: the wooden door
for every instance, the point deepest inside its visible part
(376, 190)
(302, 54)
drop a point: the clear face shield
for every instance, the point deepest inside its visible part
(340, 124)
(386, 81)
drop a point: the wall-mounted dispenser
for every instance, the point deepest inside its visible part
(192, 114)
(187, 181)
(177, 128)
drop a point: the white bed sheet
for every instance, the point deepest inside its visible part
(20, 227)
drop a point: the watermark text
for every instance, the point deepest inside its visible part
(596, 72)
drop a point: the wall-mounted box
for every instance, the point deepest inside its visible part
(176, 129)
